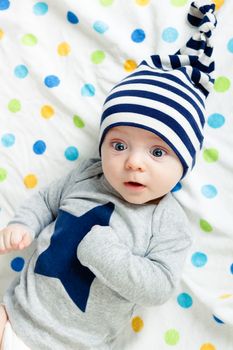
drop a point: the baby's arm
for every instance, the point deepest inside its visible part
(144, 280)
(14, 237)
(35, 214)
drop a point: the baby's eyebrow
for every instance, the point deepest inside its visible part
(117, 130)
(157, 140)
(160, 141)
(116, 134)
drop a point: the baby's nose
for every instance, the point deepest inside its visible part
(135, 162)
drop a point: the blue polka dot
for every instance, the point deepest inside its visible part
(100, 27)
(230, 45)
(185, 300)
(209, 191)
(177, 187)
(17, 264)
(216, 120)
(217, 319)
(8, 140)
(52, 81)
(88, 90)
(4, 5)
(231, 268)
(40, 8)
(72, 18)
(138, 35)
(21, 71)
(170, 35)
(71, 153)
(199, 259)
(39, 147)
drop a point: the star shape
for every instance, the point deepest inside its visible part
(60, 260)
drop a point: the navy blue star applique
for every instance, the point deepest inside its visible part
(60, 260)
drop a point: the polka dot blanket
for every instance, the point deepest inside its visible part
(58, 60)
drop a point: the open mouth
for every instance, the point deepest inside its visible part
(134, 185)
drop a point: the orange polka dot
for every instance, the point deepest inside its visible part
(218, 3)
(137, 324)
(130, 65)
(63, 49)
(225, 296)
(142, 2)
(208, 346)
(1, 33)
(47, 111)
(30, 181)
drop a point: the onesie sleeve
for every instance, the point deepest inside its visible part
(144, 280)
(41, 208)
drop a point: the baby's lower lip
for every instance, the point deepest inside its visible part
(134, 185)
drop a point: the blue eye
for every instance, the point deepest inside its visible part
(158, 152)
(119, 146)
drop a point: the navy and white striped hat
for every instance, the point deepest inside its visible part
(166, 95)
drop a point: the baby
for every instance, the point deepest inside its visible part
(110, 235)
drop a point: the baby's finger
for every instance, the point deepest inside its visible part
(26, 241)
(2, 245)
(15, 239)
(7, 239)
(3, 248)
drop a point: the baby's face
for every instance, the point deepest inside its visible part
(138, 164)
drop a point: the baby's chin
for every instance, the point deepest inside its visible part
(140, 201)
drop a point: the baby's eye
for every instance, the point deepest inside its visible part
(119, 146)
(158, 152)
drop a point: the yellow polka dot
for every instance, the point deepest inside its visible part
(142, 2)
(30, 181)
(225, 296)
(47, 111)
(130, 65)
(1, 33)
(207, 346)
(137, 324)
(218, 3)
(63, 49)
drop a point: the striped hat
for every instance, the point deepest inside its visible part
(166, 94)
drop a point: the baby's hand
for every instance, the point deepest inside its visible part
(14, 237)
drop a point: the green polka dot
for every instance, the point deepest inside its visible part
(210, 155)
(172, 337)
(78, 121)
(97, 56)
(14, 105)
(222, 84)
(179, 3)
(205, 226)
(106, 2)
(29, 40)
(3, 174)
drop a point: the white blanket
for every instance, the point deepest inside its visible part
(58, 60)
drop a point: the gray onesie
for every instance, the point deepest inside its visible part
(96, 256)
